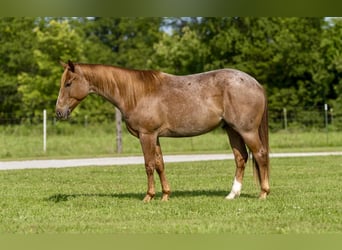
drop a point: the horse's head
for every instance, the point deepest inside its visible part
(74, 88)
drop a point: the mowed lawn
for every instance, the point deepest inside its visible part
(66, 141)
(305, 198)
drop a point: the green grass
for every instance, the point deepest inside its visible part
(65, 140)
(305, 199)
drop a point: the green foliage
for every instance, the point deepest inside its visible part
(15, 56)
(298, 60)
(130, 40)
(53, 42)
(332, 52)
(179, 54)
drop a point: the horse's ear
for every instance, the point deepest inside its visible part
(71, 66)
(64, 65)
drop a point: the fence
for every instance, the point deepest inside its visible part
(299, 118)
(44, 127)
(304, 118)
(285, 118)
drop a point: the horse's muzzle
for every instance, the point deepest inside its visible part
(62, 114)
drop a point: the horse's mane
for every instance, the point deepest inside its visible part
(132, 84)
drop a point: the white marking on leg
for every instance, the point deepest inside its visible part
(236, 190)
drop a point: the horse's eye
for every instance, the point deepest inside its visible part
(67, 84)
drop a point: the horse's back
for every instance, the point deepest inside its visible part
(202, 101)
(233, 77)
(214, 78)
(234, 95)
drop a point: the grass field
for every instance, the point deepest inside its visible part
(64, 140)
(305, 199)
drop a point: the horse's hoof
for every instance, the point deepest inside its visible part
(232, 195)
(263, 196)
(147, 198)
(165, 197)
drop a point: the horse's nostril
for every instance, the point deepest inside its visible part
(59, 114)
(62, 115)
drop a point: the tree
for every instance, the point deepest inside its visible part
(16, 39)
(297, 78)
(331, 47)
(179, 54)
(129, 39)
(298, 60)
(39, 87)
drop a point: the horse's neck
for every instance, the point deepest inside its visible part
(109, 83)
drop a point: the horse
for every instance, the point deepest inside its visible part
(155, 104)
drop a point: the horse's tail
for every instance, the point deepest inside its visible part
(263, 134)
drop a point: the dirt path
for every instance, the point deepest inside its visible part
(117, 161)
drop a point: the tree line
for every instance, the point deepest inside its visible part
(298, 60)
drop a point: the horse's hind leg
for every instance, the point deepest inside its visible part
(241, 157)
(260, 161)
(160, 170)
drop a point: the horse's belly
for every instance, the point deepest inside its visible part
(190, 125)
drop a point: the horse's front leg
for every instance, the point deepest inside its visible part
(148, 145)
(160, 170)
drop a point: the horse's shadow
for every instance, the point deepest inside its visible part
(139, 196)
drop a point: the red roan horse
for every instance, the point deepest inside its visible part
(156, 104)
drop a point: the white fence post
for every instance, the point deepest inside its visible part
(44, 130)
(285, 118)
(326, 121)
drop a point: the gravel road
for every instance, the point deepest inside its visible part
(120, 161)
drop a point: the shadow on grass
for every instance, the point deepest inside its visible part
(65, 197)
(139, 196)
